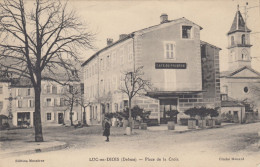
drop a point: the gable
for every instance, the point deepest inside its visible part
(246, 73)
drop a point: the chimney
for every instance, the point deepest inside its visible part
(164, 18)
(109, 41)
(122, 36)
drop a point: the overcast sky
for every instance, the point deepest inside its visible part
(111, 18)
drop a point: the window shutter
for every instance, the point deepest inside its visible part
(58, 90)
(44, 89)
(52, 102)
(58, 101)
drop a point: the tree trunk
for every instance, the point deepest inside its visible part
(71, 108)
(37, 115)
(84, 116)
(130, 113)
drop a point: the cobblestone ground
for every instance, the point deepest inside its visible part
(231, 145)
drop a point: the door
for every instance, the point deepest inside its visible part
(60, 118)
(166, 105)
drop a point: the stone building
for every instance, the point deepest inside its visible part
(183, 70)
(240, 83)
(18, 100)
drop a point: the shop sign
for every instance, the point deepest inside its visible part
(170, 65)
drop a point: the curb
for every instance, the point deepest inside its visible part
(33, 151)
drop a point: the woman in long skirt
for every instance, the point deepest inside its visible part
(106, 129)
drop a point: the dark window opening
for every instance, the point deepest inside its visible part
(186, 32)
(243, 39)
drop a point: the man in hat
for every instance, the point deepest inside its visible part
(107, 129)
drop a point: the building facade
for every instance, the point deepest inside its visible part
(183, 70)
(55, 107)
(241, 83)
(4, 97)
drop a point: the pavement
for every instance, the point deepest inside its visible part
(32, 147)
(29, 147)
(182, 129)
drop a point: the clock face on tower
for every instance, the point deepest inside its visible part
(244, 54)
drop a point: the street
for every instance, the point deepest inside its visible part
(229, 145)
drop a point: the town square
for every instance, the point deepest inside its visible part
(129, 83)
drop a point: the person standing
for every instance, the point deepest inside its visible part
(106, 129)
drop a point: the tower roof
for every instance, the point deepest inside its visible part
(238, 24)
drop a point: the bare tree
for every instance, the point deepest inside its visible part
(72, 96)
(84, 104)
(134, 84)
(39, 40)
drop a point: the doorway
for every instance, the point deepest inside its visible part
(60, 118)
(166, 105)
(23, 119)
(235, 119)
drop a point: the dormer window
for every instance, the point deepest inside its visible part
(186, 32)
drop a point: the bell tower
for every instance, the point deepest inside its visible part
(238, 43)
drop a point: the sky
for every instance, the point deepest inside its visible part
(109, 19)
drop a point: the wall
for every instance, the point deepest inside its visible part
(236, 89)
(150, 49)
(4, 98)
(232, 109)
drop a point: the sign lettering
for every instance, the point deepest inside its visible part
(170, 65)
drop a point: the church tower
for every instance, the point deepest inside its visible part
(238, 44)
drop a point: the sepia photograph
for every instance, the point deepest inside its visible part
(113, 83)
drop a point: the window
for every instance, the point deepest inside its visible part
(125, 103)
(1, 89)
(244, 55)
(186, 32)
(48, 102)
(1, 105)
(28, 92)
(243, 39)
(116, 107)
(19, 103)
(169, 50)
(61, 101)
(18, 92)
(48, 89)
(30, 103)
(96, 112)
(48, 116)
(54, 89)
(82, 88)
(232, 40)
